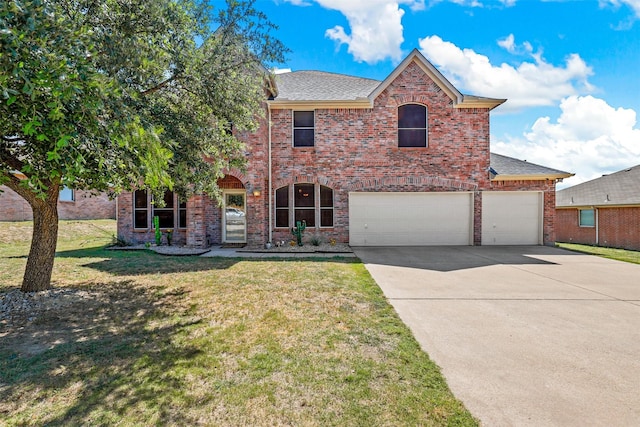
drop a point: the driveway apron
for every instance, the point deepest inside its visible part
(525, 336)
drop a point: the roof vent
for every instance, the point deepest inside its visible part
(607, 199)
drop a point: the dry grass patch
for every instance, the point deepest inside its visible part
(146, 339)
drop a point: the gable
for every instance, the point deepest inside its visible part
(458, 99)
(316, 89)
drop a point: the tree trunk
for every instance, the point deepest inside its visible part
(37, 275)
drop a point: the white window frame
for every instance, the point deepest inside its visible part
(580, 222)
(317, 208)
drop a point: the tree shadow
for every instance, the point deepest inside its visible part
(452, 258)
(100, 343)
(142, 262)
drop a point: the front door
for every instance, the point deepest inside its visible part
(234, 219)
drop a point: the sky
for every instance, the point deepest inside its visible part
(570, 69)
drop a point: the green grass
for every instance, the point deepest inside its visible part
(146, 339)
(611, 253)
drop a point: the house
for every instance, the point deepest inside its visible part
(404, 161)
(72, 204)
(604, 211)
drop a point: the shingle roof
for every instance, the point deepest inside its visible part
(510, 168)
(620, 188)
(308, 87)
(322, 86)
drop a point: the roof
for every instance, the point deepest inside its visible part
(321, 86)
(314, 88)
(620, 188)
(505, 168)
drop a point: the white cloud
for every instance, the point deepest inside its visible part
(633, 4)
(376, 27)
(530, 84)
(589, 138)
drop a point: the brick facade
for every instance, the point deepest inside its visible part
(617, 227)
(356, 149)
(85, 206)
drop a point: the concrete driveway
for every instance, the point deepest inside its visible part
(525, 336)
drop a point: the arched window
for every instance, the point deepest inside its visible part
(412, 125)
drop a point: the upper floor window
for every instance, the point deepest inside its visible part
(587, 218)
(303, 128)
(412, 125)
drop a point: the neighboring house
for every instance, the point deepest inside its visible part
(603, 212)
(72, 204)
(404, 161)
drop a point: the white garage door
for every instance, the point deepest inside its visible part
(410, 219)
(512, 218)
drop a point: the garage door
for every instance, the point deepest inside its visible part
(410, 219)
(512, 218)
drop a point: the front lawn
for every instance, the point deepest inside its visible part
(612, 253)
(137, 338)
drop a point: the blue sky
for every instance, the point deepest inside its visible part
(570, 69)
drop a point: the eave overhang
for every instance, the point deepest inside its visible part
(532, 177)
(323, 104)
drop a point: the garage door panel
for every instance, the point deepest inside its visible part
(410, 219)
(511, 218)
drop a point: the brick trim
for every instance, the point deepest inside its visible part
(418, 181)
(305, 178)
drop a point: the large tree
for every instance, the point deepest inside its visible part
(109, 94)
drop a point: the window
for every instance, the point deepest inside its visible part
(67, 195)
(412, 125)
(140, 209)
(304, 204)
(326, 206)
(311, 203)
(282, 207)
(182, 215)
(165, 214)
(172, 215)
(587, 218)
(303, 128)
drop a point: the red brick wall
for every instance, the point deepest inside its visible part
(568, 230)
(85, 206)
(618, 227)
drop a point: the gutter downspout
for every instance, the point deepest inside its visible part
(269, 173)
(597, 226)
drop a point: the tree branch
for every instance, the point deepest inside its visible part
(9, 159)
(159, 85)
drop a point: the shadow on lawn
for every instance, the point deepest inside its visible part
(132, 263)
(104, 343)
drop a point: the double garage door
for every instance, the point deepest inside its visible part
(443, 218)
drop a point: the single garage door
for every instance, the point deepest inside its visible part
(512, 218)
(410, 219)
